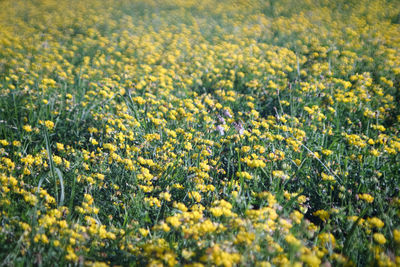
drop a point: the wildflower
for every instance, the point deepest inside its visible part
(327, 238)
(143, 232)
(244, 175)
(166, 196)
(226, 113)
(280, 174)
(327, 177)
(311, 260)
(396, 235)
(187, 254)
(375, 222)
(174, 221)
(379, 238)
(290, 239)
(60, 146)
(322, 214)
(296, 216)
(27, 128)
(195, 195)
(239, 127)
(49, 125)
(220, 257)
(220, 129)
(57, 160)
(367, 197)
(221, 120)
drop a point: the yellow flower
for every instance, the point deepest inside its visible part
(375, 222)
(166, 196)
(379, 238)
(49, 125)
(187, 254)
(311, 259)
(60, 146)
(327, 238)
(367, 197)
(396, 235)
(57, 160)
(244, 175)
(71, 256)
(195, 195)
(322, 214)
(280, 174)
(16, 143)
(246, 149)
(27, 128)
(290, 239)
(174, 221)
(296, 216)
(220, 257)
(143, 232)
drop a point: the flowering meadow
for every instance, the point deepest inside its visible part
(200, 133)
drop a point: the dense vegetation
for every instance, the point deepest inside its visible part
(188, 132)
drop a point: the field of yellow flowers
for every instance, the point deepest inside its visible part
(200, 133)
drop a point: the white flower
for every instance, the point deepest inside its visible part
(220, 129)
(239, 127)
(221, 119)
(226, 113)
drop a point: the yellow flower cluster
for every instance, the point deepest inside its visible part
(199, 133)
